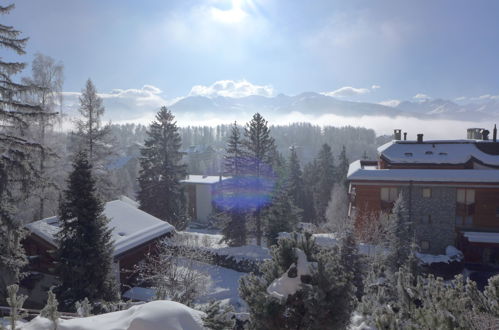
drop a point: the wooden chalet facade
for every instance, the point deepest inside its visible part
(451, 188)
(135, 233)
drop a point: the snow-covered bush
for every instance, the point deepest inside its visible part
(297, 288)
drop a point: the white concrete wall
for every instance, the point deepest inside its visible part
(203, 201)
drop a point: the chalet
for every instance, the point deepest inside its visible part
(451, 188)
(134, 233)
(200, 192)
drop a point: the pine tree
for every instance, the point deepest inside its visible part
(342, 169)
(47, 80)
(160, 191)
(50, 310)
(281, 216)
(17, 152)
(95, 139)
(295, 177)
(218, 317)
(310, 307)
(259, 149)
(310, 179)
(400, 237)
(232, 203)
(15, 303)
(83, 308)
(92, 134)
(84, 257)
(326, 175)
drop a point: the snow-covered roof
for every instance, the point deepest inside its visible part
(369, 173)
(131, 226)
(204, 179)
(439, 152)
(481, 237)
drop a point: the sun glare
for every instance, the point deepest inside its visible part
(235, 14)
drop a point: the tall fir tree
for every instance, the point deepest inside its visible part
(259, 149)
(234, 226)
(326, 176)
(160, 191)
(342, 168)
(95, 138)
(18, 149)
(282, 215)
(310, 179)
(85, 254)
(295, 179)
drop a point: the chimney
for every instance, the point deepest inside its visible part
(485, 134)
(405, 136)
(397, 134)
(494, 136)
(420, 138)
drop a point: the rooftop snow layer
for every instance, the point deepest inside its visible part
(481, 237)
(203, 179)
(131, 226)
(436, 152)
(357, 172)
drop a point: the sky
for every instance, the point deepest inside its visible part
(157, 51)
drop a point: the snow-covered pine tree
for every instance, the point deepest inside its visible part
(337, 210)
(218, 316)
(342, 168)
(310, 179)
(326, 178)
(322, 280)
(234, 228)
(15, 303)
(295, 179)
(94, 138)
(160, 191)
(83, 308)
(50, 310)
(47, 80)
(258, 150)
(281, 215)
(400, 237)
(17, 150)
(352, 261)
(84, 258)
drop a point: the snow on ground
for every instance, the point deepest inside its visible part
(223, 285)
(239, 253)
(451, 254)
(284, 286)
(155, 315)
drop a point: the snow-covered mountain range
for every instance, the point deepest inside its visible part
(318, 104)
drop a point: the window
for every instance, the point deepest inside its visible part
(465, 207)
(388, 197)
(425, 245)
(426, 192)
(497, 211)
(389, 194)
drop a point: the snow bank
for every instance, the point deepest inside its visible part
(239, 253)
(284, 286)
(156, 315)
(451, 254)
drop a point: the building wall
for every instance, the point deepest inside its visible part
(203, 201)
(433, 217)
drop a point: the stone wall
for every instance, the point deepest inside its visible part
(433, 217)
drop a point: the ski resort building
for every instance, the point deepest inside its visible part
(135, 233)
(200, 191)
(451, 189)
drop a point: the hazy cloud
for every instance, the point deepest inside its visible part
(390, 103)
(347, 91)
(375, 86)
(421, 96)
(232, 88)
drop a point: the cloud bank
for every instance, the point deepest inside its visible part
(232, 88)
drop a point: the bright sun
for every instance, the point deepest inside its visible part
(235, 14)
